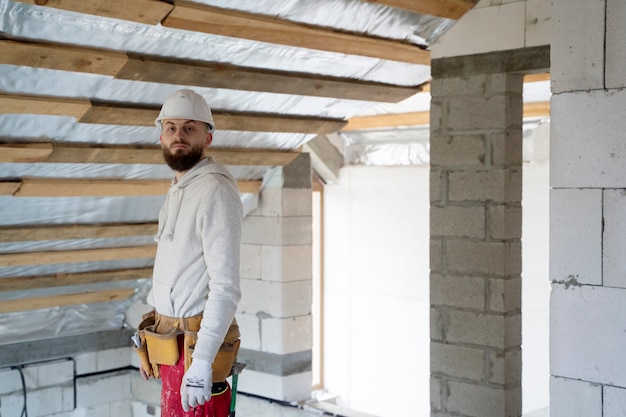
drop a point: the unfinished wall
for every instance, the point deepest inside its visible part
(275, 311)
(588, 207)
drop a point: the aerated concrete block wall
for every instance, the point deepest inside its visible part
(475, 227)
(588, 209)
(275, 311)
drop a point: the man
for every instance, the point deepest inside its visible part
(195, 288)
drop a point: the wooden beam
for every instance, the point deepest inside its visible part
(61, 187)
(112, 113)
(61, 58)
(82, 278)
(52, 187)
(64, 153)
(537, 109)
(450, 9)
(150, 12)
(102, 113)
(19, 104)
(247, 79)
(9, 188)
(74, 256)
(216, 21)
(533, 78)
(388, 120)
(194, 73)
(75, 231)
(37, 303)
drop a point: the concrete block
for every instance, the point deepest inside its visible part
(505, 222)
(437, 323)
(576, 51)
(113, 358)
(259, 230)
(506, 148)
(505, 367)
(148, 392)
(504, 294)
(250, 264)
(436, 394)
(286, 263)
(484, 29)
(587, 139)
(276, 299)
(458, 150)
(483, 401)
(287, 335)
(538, 23)
(250, 329)
(44, 402)
(569, 398)
(10, 381)
(457, 361)
(457, 291)
(587, 334)
(492, 330)
(145, 410)
(103, 389)
(484, 113)
(55, 373)
(614, 401)
(576, 235)
(86, 363)
(473, 258)
(474, 85)
(436, 259)
(495, 185)
(615, 44)
(286, 201)
(295, 387)
(458, 221)
(614, 239)
(438, 178)
(122, 408)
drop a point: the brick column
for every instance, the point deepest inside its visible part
(275, 311)
(475, 227)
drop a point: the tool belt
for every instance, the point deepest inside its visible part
(159, 344)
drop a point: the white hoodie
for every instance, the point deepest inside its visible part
(197, 261)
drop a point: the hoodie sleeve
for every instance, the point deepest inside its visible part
(221, 224)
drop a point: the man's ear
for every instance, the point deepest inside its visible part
(209, 139)
(161, 141)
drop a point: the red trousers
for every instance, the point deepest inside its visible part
(171, 377)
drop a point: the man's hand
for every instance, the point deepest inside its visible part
(195, 388)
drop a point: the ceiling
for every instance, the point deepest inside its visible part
(81, 82)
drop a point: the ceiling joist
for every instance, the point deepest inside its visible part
(36, 303)
(451, 9)
(194, 73)
(64, 153)
(112, 113)
(74, 231)
(82, 278)
(61, 187)
(216, 21)
(76, 256)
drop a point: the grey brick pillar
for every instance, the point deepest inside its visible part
(475, 227)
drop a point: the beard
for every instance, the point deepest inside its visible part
(183, 161)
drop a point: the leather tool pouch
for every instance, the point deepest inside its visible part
(142, 350)
(189, 344)
(224, 360)
(162, 348)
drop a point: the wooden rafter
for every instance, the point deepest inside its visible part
(75, 231)
(62, 187)
(90, 297)
(113, 113)
(216, 21)
(451, 9)
(194, 73)
(82, 278)
(532, 109)
(74, 256)
(64, 153)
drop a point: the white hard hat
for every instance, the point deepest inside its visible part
(185, 104)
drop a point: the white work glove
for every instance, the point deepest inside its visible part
(195, 388)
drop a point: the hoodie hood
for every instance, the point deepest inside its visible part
(169, 212)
